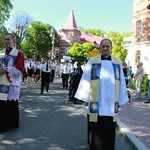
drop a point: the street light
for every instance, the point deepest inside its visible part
(53, 38)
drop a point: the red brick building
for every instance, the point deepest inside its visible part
(70, 34)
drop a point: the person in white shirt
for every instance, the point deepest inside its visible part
(54, 65)
(30, 67)
(67, 68)
(45, 75)
(83, 65)
(102, 87)
(37, 71)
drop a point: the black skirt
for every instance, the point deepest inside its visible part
(29, 72)
(9, 115)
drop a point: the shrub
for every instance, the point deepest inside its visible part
(145, 84)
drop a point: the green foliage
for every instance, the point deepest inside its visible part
(97, 32)
(5, 8)
(3, 31)
(37, 41)
(132, 84)
(127, 34)
(81, 51)
(145, 84)
(118, 50)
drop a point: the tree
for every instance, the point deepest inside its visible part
(127, 34)
(117, 40)
(21, 21)
(96, 32)
(80, 52)
(2, 33)
(5, 8)
(37, 41)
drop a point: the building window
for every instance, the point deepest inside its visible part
(137, 56)
(68, 37)
(139, 28)
(76, 37)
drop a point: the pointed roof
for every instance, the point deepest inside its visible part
(71, 22)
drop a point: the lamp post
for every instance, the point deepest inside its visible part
(53, 38)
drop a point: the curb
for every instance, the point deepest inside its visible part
(129, 136)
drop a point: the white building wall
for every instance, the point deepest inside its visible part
(144, 56)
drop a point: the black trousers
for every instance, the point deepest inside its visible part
(45, 80)
(52, 75)
(101, 134)
(65, 78)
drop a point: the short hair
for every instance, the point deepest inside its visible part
(11, 34)
(66, 60)
(105, 40)
(140, 63)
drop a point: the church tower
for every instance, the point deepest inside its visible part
(69, 34)
(139, 45)
(141, 21)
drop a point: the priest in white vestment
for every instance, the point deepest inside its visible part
(102, 84)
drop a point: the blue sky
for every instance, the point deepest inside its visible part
(106, 15)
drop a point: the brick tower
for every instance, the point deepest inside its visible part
(139, 45)
(141, 21)
(69, 34)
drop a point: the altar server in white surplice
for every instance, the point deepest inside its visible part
(103, 89)
(11, 71)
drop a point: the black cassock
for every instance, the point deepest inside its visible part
(101, 134)
(75, 77)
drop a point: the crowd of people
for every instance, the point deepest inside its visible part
(46, 70)
(101, 83)
(137, 77)
(33, 70)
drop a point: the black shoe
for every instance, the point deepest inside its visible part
(147, 102)
(41, 93)
(3, 130)
(70, 100)
(75, 102)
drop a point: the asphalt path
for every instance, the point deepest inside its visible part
(49, 122)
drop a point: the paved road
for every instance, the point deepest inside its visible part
(49, 122)
(136, 117)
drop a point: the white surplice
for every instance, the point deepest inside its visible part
(106, 92)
